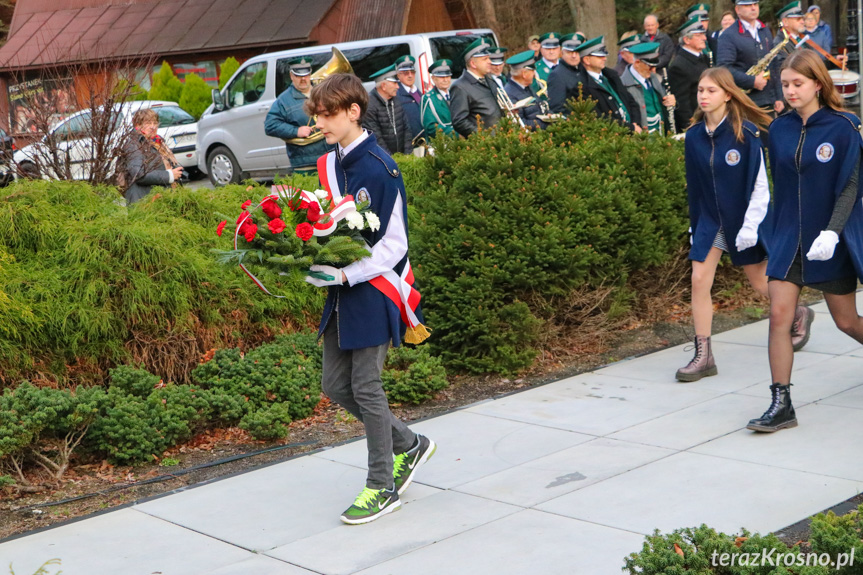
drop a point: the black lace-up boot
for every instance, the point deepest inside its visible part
(779, 415)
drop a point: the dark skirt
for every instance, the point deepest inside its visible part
(842, 286)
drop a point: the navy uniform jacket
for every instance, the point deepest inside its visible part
(606, 106)
(810, 168)
(529, 113)
(683, 75)
(285, 117)
(738, 51)
(563, 85)
(366, 317)
(720, 176)
(412, 108)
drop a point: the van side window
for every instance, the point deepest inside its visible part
(451, 48)
(249, 86)
(367, 61)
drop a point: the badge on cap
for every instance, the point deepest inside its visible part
(825, 152)
(732, 157)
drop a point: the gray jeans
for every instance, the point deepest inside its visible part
(352, 378)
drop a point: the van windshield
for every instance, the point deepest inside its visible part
(451, 47)
(364, 61)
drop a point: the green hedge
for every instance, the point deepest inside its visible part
(699, 551)
(86, 284)
(504, 223)
(139, 416)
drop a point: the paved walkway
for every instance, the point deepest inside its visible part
(566, 478)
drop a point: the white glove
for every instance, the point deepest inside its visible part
(823, 246)
(334, 273)
(690, 236)
(746, 238)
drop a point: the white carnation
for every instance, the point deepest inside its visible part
(374, 222)
(354, 220)
(321, 194)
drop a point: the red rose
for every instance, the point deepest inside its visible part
(305, 231)
(250, 231)
(246, 204)
(221, 227)
(276, 226)
(271, 208)
(314, 213)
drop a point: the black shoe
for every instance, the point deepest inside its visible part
(780, 414)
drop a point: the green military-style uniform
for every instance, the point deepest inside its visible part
(435, 105)
(497, 55)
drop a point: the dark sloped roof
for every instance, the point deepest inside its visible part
(154, 27)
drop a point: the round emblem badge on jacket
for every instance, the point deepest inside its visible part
(732, 157)
(825, 152)
(362, 196)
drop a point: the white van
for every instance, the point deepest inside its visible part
(231, 141)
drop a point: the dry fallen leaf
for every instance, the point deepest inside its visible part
(739, 541)
(678, 550)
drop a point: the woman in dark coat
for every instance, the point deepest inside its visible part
(726, 181)
(817, 237)
(147, 166)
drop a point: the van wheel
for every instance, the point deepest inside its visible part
(28, 171)
(223, 167)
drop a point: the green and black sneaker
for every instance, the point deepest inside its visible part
(406, 464)
(371, 504)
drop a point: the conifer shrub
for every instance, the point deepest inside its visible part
(227, 69)
(507, 218)
(412, 374)
(834, 534)
(166, 86)
(196, 95)
(87, 284)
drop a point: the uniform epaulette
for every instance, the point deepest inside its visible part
(695, 124)
(851, 118)
(752, 129)
(391, 166)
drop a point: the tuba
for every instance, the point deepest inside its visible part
(338, 64)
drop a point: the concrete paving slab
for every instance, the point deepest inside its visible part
(820, 444)
(471, 446)
(688, 489)
(416, 525)
(739, 366)
(269, 507)
(820, 381)
(821, 307)
(124, 541)
(694, 425)
(595, 404)
(527, 542)
(563, 472)
(853, 398)
(260, 565)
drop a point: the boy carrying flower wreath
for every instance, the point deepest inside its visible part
(371, 302)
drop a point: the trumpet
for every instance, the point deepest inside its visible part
(507, 106)
(338, 64)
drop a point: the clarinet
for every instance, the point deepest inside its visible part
(671, 124)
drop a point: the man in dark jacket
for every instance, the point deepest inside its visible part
(686, 68)
(603, 85)
(741, 46)
(474, 94)
(653, 34)
(408, 95)
(287, 119)
(566, 79)
(385, 117)
(520, 87)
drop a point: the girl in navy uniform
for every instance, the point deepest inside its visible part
(728, 198)
(816, 240)
(360, 320)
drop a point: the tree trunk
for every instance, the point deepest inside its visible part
(486, 14)
(598, 18)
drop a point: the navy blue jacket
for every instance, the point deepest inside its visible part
(738, 51)
(413, 110)
(528, 114)
(720, 176)
(285, 117)
(811, 166)
(367, 318)
(564, 83)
